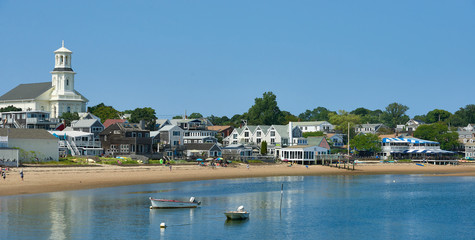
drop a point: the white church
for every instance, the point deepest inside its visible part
(56, 97)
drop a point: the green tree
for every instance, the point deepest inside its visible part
(147, 114)
(368, 116)
(219, 121)
(361, 111)
(104, 112)
(437, 115)
(263, 148)
(69, 117)
(317, 114)
(10, 108)
(341, 121)
(289, 117)
(195, 115)
(178, 117)
(463, 116)
(420, 118)
(265, 111)
(395, 114)
(366, 142)
(438, 132)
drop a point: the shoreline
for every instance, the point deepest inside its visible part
(55, 179)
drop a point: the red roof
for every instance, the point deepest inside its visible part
(109, 122)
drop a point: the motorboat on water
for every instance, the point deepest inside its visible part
(167, 203)
(240, 214)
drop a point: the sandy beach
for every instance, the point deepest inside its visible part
(53, 179)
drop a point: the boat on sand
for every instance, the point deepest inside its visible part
(167, 203)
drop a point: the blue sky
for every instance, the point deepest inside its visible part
(216, 57)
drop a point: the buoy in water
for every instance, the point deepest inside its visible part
(163, 225)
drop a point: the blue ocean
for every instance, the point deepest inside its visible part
(312, 207)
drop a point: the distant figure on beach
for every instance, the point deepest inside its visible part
(170, 167)
(247, 166)
(21, 174)
(4, 175)
(306, 166)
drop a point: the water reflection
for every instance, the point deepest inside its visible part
(361, 207)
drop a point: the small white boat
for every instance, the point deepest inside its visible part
(166, 203)
(240, 214)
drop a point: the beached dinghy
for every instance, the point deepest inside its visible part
(240, 214)
(166, 203)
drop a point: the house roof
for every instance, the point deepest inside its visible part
(25, 133)
(315, 140)
(26, 91)
(109, 122)
(199, 146)
(70, 133)
(370, 125)
(409, 140)
(87, 115)
(168, 128)
(131, 126)
(394, 135)
(218, 128)
(283, 130)
(84, 123)
(161, 122)
(264, 128)
(313, 123)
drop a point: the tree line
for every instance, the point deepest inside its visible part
(266, 111)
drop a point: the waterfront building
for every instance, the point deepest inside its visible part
(56, 97)
(411, 148)
(33, 144)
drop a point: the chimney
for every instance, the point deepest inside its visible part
(142, 124)
(291, 139)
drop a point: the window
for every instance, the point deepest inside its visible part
(235, 136)
(272, 140)
(246, 134)
(134, 134)
(176, 143)
(124, 148)
(139, 135)
(67, 82)
(258, 140)
(272, 133)
(176, 133)
(258, 134)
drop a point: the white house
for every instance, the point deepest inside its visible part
(78, 143)
(32, 143)
(302, 154)
(56, 97)
(314, 126)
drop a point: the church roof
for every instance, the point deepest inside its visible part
(63, 49)
(26, 91)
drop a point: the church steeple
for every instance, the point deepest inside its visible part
(63, 74)
(62, 59)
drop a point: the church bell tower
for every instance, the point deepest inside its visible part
(63, 74)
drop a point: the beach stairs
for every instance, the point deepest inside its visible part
(16, 124)
(74, 151)
(73, 144)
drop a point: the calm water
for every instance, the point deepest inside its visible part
(319, 207)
